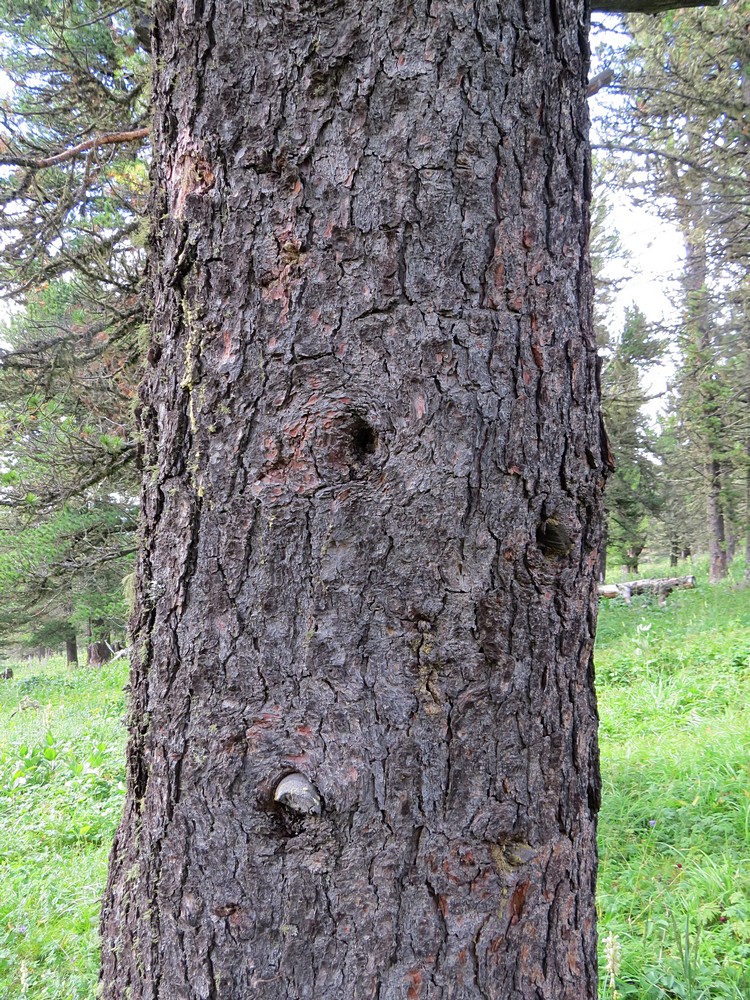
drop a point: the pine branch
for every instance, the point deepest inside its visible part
(69, 154)
(647, 6)
(599, 82)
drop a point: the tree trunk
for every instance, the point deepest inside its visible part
(71, 650)
(717, 569)
(674, 552)
(98, 651)
(601, 569)
(372, 487)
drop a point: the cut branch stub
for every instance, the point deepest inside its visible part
(297, 793)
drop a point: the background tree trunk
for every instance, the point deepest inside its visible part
(372, 496)
(674, 551)
(717, 548)
(71, 650)
(98, 651)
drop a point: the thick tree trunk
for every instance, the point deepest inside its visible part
(372, 496)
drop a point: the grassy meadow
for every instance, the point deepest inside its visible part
(61, 788)
(674, 834)
(674, 885)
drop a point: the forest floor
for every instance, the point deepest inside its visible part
(674, 883)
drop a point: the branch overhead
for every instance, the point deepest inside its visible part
(39, 163)
(647, 6)
(599, 82)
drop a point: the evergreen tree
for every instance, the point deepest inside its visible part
(73, 184)
(61, 576)
(682, 133)
(632, 496)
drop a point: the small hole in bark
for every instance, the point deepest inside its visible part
(364, 437)
(553, 538)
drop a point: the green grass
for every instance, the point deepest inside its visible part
(674, 834)
(61, 787)
(674, 884)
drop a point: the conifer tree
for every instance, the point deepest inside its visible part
(682, 135)
(632, 496)
(73, 183)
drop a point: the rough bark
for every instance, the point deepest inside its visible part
(372, 498)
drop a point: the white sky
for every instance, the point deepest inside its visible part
(655, 251)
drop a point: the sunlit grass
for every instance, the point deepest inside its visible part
(674, 883)
(61, 787)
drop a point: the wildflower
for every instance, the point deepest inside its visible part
(612, 957)
(24, 977)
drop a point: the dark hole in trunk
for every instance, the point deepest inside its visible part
(364, 438)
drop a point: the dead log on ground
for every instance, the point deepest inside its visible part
(662, 588)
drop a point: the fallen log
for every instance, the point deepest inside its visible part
(662, 588)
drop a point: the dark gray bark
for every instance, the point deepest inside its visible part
(373, 466)
(71, 650)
